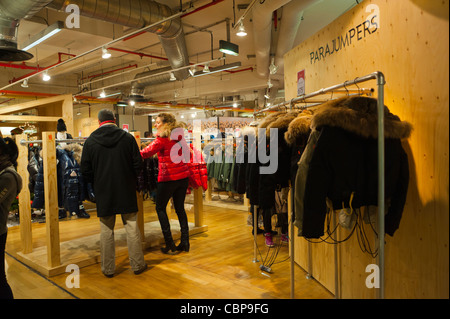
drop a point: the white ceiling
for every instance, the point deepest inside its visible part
(210, 89)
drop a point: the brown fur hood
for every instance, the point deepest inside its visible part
(358, 115)
(77, 150)
(299, 127)
(282, 122)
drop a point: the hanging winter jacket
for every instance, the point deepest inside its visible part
(269, 183)
(198, 174)
(296, 138)
(33, 168)
(340, 162)
(70, 184)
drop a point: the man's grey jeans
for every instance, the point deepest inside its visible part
(107, 244)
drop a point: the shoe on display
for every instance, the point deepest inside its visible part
(284, 238)
(268, 239)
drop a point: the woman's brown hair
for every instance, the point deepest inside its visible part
(170, 123)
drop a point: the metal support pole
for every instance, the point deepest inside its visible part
(292, 242)
(337, 294)
(255, 233)
(381, 200)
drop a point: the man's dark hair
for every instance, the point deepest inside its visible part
(106, 115)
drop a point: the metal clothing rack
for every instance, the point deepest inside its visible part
(380, 79)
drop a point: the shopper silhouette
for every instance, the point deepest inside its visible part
(10, 186)
(111, 162)
(173, 177)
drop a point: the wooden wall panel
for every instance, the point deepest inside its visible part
(410, 46)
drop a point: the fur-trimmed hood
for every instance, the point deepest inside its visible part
(282, 122)
(299, 127)
(358, 115)
(77, 150)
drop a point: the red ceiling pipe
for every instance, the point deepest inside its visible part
(111, 71)
(133, 36)
(37, 69)
(138, 53)
(22, 66)
(212, 3)
(22, 93)
(241, 70)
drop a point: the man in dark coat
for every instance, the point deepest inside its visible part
(111, 161)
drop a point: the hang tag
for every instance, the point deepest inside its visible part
(347, 218)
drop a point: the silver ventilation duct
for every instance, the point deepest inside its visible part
(138, 14)
(10, 14)
(138, 86)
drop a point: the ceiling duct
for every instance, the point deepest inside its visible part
(262, 26)
(11, 12)
(138, 14)
(138, 86)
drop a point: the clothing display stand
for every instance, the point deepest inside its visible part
(53, 258)
(380, 79)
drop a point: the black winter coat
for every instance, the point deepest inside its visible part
(111, 161)
(341, 159)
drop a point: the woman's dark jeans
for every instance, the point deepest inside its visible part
(176, 190)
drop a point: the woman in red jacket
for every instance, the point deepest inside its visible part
(173, 156)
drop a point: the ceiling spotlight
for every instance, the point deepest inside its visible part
(228, 48)
(216, 69)
(132, 103)
(172, 77)
(192, 70)
(272, 67)
(24, 83)
(206, 68)
(269, 84)
(235, 105)
(241, 30)
(102, 94)
(46, 77)
(105, 53)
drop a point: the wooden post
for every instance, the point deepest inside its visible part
(208, 195)
(67, 113)
(198, 193)
(140, 196)
(51, 198)
(24, 196)
(198, 207)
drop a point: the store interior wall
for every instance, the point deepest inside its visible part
(410, 47)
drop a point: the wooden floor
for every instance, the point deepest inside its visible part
(218, 266)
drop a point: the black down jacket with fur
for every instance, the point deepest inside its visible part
(341, 158)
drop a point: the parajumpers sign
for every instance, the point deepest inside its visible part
(362, 30)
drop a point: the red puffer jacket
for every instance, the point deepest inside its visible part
(168, 170)
(197, 168)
